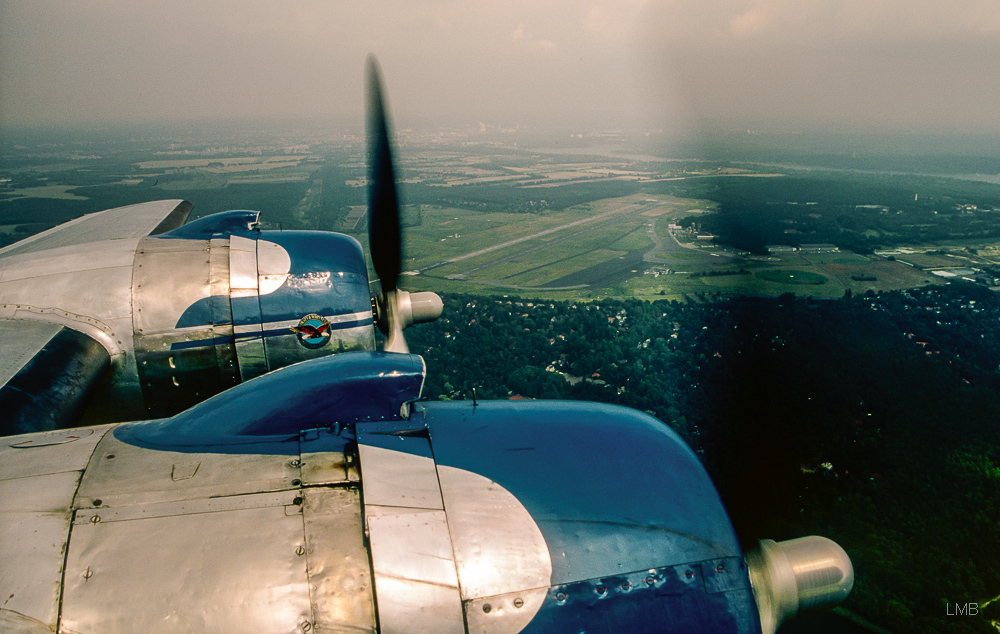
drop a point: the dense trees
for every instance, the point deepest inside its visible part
(857, 212)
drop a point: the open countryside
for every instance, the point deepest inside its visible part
(484, 216)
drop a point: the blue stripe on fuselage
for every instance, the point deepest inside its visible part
(274, 332)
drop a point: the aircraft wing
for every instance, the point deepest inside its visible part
(133, 221)
(46, 367)
(46, 371)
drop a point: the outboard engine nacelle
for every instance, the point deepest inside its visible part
(216, 302)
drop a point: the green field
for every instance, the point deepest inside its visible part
(792, 276)
(465, 251)
(50, 191)
(552, 272)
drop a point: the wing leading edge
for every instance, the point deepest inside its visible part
(131, 222)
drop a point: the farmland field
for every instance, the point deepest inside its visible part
(545, 223)
(620, 247)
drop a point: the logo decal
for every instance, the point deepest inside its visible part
(313, 331)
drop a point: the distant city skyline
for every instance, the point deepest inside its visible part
(841, 65)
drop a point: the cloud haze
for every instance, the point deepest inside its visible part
(879, 64)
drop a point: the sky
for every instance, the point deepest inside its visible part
(851, 65)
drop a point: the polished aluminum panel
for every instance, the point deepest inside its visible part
(105, 514)
(245, 307)
(48, 452)
(404, 477)
(222, 312)
(121, 473)
(340, 575)
(226, 571)
(12, 622)
(22, 340)
(243, 264)
(91, 258)
(273, 265)
(415, 581)
(499, 548)
(169, 276)
(34, 522)
(93, 280)
(249, 345)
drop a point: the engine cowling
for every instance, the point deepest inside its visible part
(498, 516)
(217, 302)
(326, 497)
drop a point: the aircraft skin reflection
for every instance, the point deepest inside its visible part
(461, 517)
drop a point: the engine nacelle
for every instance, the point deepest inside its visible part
(326, 497)
(491, 517)
(216, 302)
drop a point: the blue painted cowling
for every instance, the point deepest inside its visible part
(508, 517)
(217, 301)
(636, 535)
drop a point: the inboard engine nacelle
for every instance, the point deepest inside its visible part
(216, 302)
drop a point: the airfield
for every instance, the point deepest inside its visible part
(625, 247)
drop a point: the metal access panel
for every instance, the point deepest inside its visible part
(397, 469)
(416, 582)
(170, 285)
(122, 474)
(415, 578)
(34, 522)
(340, 575)
(233, 564)
(245, 305)
(49, 452)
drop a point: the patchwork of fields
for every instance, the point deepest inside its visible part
(504, 222)
(621, 247)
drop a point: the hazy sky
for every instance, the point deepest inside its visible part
(929, 65)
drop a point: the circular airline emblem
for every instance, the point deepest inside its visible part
(313, 331)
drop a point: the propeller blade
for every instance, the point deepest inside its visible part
(384, 236)
(395, 308)
(395, 342)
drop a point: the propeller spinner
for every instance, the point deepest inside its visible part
(395, 309)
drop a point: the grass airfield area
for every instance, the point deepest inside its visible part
(620, 247)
